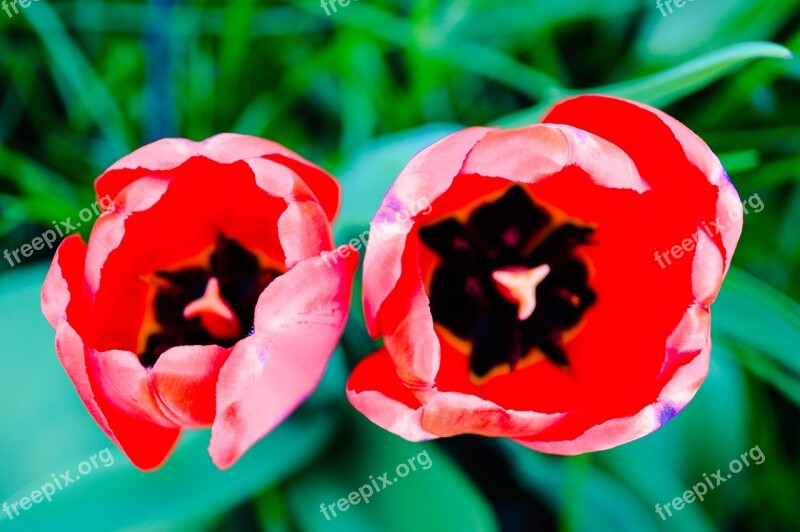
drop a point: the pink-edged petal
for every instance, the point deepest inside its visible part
(531, 153)
(410, 336)
(226, 148)
(731, 211)
(298, 321)
(163, 154)
(109, 229)
(686, 364)
(303, 228)
(673, 160)
(641, 132)
(425, 177)
(147, 444)
(453, 413)
(605, 435)
(230, 147)
(304, 232)
(184, 382)
(63, 285)
(166, 154)
(708, 269)
(279, 180)
(684, 385)
(710, 264)
(71, 354)
(120, 377)
(374, 390)
(688, 349)
(729, 207)
(321, 183)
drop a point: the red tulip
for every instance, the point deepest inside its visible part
(527, 303)
(201, 299)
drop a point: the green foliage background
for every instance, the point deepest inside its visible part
(85, 82)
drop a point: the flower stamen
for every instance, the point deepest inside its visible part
(215, 314)
(517, 284)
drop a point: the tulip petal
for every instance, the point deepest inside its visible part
(279, 181)
(672, 160)
(145, 443)
(410, 335)
(226, 148)
(729, 206)
(685, 369)
(123, 250)
(375, 390)
(65, 278)
(120, 377)
(109, 229)
(299, 320)
(64, 304)
(184, 382)
(426, 176)
(529, 154)
(453, 413)
(393, 407)
(304, 232)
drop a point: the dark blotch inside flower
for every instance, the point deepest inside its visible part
(510, 281)
(212, 304)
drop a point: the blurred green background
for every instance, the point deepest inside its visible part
(359, 91)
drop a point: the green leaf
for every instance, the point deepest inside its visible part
(39, 185)
(437, 498)
(673, 84)
(667, 86)
(272, 510)
(759, 328)
(754, 313)
(443, 46)
(603, 502)
(740, 161)
(763, 368)
(51, 432)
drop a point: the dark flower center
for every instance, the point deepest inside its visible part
(211, 303)
(510, 284)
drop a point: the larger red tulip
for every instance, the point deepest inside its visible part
(201, 298)
(535, 300)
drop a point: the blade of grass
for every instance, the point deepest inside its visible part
(69, 62)
(664, 88)
(754, 313)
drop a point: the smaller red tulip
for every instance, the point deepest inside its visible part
(201, 298)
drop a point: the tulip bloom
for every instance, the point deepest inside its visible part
(201, 298)
(527, 303)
